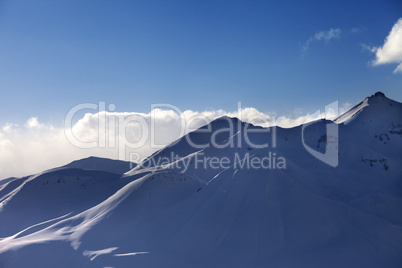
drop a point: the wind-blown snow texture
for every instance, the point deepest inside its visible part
(87, 214)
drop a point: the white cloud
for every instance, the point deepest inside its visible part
(371, 49)
(328, 35)
(33, 123)
(398, 69)
(322, 36)
(391, 51)
(9, 127)
(34, 146)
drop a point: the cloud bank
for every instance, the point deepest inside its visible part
(391, 50)
(35, 146)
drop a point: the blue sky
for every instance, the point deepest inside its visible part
(198, 55)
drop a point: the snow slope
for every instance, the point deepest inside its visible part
(181, 214)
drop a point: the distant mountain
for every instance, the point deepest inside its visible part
(102, 164)
(218, 198)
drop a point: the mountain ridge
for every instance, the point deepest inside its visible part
(178, 214)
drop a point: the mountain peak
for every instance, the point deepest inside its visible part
(379, 105)
(379, 98)
(379, 94)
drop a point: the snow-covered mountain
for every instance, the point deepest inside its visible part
(183, 208)
(102, 164)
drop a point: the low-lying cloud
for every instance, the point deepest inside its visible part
(37, 146)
